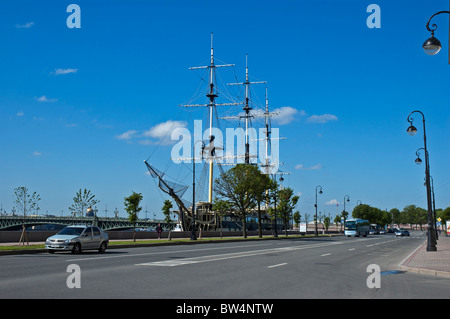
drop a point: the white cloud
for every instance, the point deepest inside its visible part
(324, 118)
(36, 153)
(127, 135)
(20, 113)
(25, 25)
(332, 202)
(302, 167)
(43, 98)
(60, 71)
(163, 131)
(286, 114)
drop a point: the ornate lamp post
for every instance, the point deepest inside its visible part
(432, 45)
(193, 233)
(316, 233)
(431, 242)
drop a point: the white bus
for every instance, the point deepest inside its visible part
(356, 227)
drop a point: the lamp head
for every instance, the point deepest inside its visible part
(411, 130)
(418, 161)
(432, 45)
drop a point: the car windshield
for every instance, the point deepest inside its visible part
(71, 231)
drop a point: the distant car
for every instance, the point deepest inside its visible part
(382, 232)
(77, 238)
(401, 232)
(392, 230)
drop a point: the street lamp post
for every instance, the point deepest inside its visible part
(348, 199)
(431, 243)
(316, 233)
(193, 232)
(432, 45)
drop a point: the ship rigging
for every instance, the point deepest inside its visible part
(204, 216)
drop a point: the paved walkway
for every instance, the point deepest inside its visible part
(435, 263)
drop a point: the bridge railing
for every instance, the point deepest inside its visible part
(106, 223)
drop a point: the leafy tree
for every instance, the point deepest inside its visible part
(81, 201)
(286, 205)
(239, 185)
(444, 215)
(345, 215)
(414, 215)
(221, 207)
(337, 221)
(132, 208)
(297, 218)
(166, 211)
(395, 216)
(326, 223)
(262, 184)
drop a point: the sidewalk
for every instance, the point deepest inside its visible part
(435, 263)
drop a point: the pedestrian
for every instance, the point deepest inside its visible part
(159, 230)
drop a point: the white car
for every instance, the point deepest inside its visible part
(76, 238)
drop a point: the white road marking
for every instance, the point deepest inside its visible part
(194, 260)
(277, 265)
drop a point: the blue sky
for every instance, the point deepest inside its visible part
(83, 108)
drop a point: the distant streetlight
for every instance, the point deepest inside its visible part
(348, 199)
(316, 233)
(432, 45)
(431, 242)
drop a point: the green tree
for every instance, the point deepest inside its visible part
(297, 218)
(285, 206)
(221, 208)
(239, 186)
(337, 221)
(132, 207)
(81, 201)
(395, 216)
(414, 215)
(444, 215)
(166, 211)
(261, 193)
(326, 223)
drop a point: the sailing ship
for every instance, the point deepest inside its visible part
(200, 214)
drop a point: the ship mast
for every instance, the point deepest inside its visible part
(212, 95)
(247, 108)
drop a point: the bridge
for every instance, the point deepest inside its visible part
(105, 223)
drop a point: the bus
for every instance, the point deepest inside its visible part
(356, 227)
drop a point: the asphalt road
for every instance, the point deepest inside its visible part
(271, 269)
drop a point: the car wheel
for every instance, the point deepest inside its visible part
(76, 248)
(102, 247)
(51, 251)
